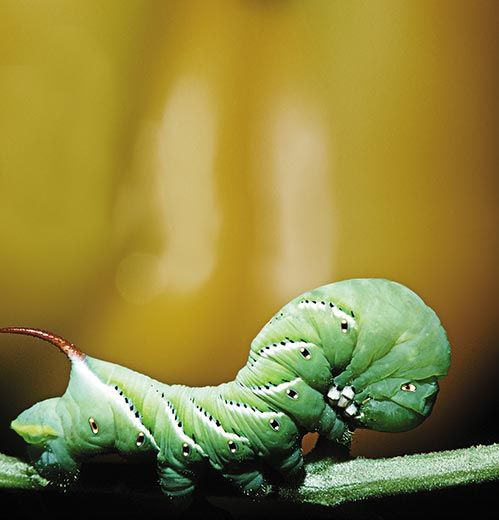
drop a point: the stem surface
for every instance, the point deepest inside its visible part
(329, 482)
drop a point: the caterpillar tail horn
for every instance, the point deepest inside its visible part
(62, 344)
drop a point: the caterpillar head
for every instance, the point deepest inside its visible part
(397, 405)
(402, 350)
(398, 393)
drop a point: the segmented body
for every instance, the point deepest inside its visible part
(322, 360)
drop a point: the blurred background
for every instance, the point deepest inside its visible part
(172, 173)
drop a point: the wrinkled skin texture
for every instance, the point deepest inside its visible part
(362, 353)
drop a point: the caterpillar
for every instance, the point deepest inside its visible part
(360, 353)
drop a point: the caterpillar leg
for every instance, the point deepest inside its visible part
(290, 466)
(328, 449)
(174, 483)
(54, 463)
(334, 437)
(333, 428)
(251, 482)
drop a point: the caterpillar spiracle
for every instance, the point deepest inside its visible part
(360, 353)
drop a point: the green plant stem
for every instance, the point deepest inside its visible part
(16, 474)
(329, 482)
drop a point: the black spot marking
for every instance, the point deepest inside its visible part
(140, 439)
(305, 353)
(274, 424)
(93, 426)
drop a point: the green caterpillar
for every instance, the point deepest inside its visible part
(361, 353)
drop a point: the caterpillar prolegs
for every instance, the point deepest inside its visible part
(361, 353)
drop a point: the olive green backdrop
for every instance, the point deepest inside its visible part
(171, 173)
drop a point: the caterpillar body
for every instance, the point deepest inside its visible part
(361, 353)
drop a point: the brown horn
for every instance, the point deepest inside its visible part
(65, 346)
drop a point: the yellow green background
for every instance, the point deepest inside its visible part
(171, 173)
